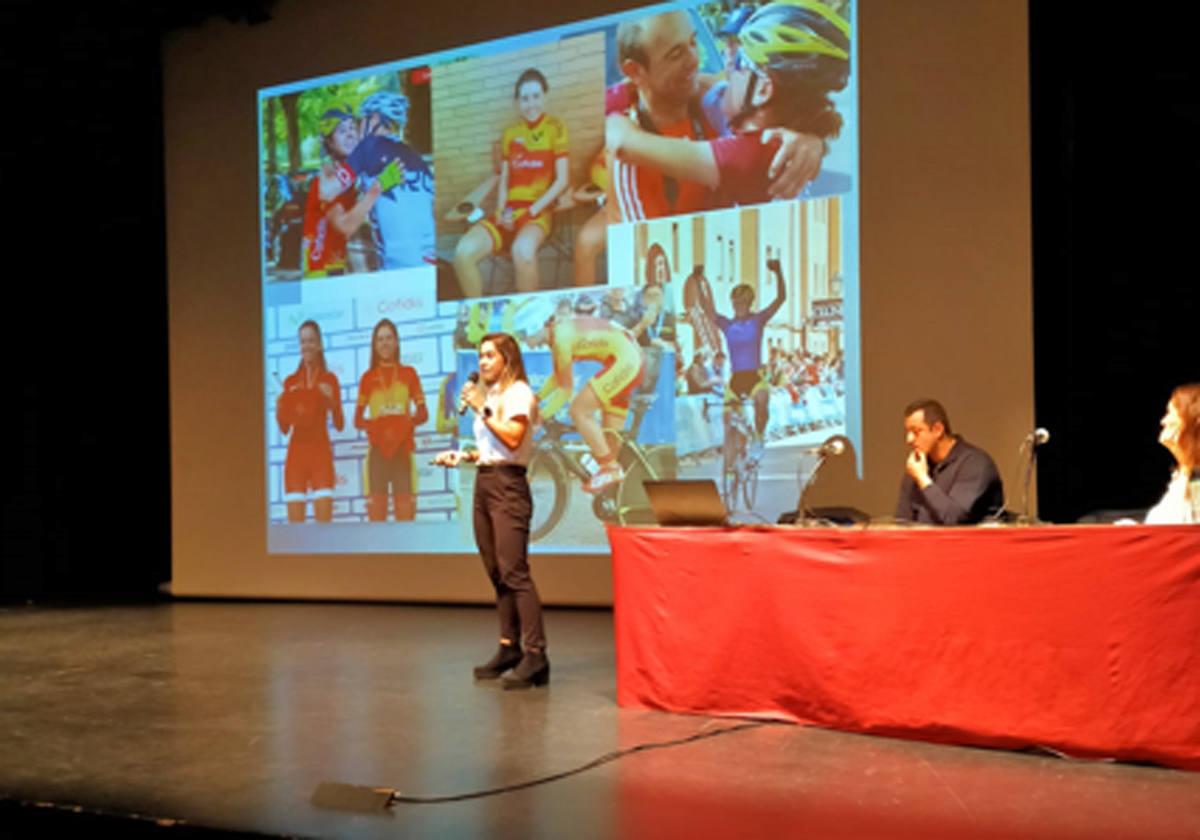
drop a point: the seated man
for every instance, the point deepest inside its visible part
(948, 481)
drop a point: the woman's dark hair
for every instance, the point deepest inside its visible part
(1186, 399)
(530, 75)
(320, 345)
(655, 251)
(802, 103)
(384, 323)
(508, 348)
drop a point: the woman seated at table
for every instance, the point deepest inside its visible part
(532, 176)
(1181, 436)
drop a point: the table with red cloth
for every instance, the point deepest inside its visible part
(1081, 639)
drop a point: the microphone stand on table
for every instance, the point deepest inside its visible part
(835, 445)
(1029, 447)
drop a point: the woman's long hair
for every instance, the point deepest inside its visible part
(804, 105)
(1186, 399)
(384, 323)
(320, 346)
(514, 364)
(652, 254)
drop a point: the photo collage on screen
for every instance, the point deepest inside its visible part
(660, 205)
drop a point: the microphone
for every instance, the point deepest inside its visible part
(1029, 447)
(1038, 436)
(472, 377)
(836, 445)
(832, 447)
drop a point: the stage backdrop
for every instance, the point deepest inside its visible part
(943, 274)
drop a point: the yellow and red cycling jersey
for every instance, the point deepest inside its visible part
(384, 394)
(584, 337)
(530, 150)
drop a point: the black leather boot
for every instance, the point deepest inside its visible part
(506, 657)
(533, 669)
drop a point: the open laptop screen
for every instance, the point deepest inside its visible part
(691, 502)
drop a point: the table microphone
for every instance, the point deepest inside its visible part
(832, 447)
(1037, 437)
(1029, 446)
(472, 377)
(836, 445)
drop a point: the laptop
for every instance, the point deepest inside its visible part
(681, 503)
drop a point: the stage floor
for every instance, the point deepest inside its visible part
(228, 715)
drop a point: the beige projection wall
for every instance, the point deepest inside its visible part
(945, 266)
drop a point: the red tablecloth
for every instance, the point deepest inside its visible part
(1082, 639)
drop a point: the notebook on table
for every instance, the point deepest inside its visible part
(680, 502)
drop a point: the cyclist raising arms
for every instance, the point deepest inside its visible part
(577, 337)
(743, 336)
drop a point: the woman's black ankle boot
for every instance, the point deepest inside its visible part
(533, 669)
(508, 656)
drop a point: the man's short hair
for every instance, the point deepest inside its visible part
(629, 42)
(931, 411)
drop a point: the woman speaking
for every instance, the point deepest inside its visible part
(505, 411)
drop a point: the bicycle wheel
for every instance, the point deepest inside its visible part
(749, 482)
(550, 489)
(730, 471)
(655, 462)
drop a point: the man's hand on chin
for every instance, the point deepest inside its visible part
(917, 466)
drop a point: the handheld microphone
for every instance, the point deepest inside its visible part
(472, 377)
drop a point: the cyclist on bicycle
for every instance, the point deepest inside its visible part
(576, 337)
(743, 336)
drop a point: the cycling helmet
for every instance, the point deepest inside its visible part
(585, 305)
(526, 317)
(736, 19)
(332, 118)
(794, 35)
(393, 107)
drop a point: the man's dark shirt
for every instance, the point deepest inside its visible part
(966, 489)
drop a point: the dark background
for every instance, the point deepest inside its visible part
(1115, 178)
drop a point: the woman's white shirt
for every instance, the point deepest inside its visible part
(1174, 508)
(516, 400)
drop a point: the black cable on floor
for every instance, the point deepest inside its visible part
(604, 759)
